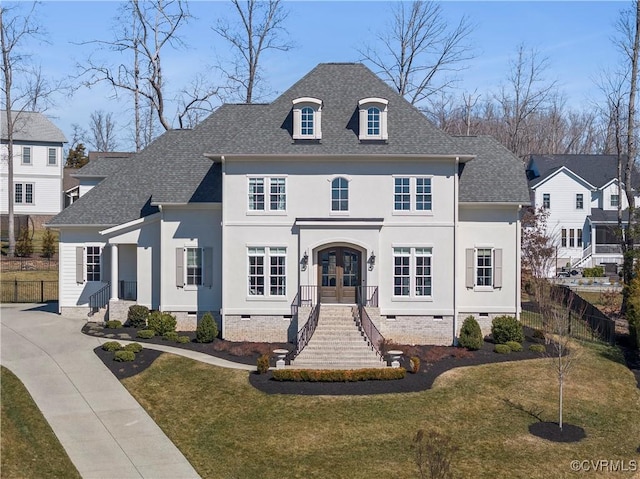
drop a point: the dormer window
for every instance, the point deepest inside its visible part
(307, 118)
(373, 119)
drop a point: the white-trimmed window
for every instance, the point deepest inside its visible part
(277, 194)
(340, 194)
(546, 200)
(93, 263)
(373, 119)
(614, 201)
(412, 195)
(307, 118)
(267, 266)
(579, 201)
(412, 275)
(483, 268)
(23, 193)
(52, 157)
(579, 238)
(26, 155)
(194, 266)
(563, 237)
(571, 238)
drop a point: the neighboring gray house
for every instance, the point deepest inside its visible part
(339, 192)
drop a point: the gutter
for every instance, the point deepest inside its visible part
(223, 289)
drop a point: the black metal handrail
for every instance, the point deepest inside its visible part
(100, 298)
(128, 290)
(376, 340)
(295, 304)
(308, 295)
(367, 296)
(304, 335)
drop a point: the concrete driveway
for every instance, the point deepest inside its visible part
(106, 433)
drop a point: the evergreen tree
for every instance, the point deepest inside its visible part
(24, 245)
(77, 157)
(48, 244)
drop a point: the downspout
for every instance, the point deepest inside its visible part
(518, 264)
(159, 262)
(455, 251)
(222, 255)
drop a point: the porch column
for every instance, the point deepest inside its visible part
(114, 272)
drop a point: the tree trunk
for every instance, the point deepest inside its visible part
(8, 79)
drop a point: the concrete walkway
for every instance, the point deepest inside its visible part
(106, 433)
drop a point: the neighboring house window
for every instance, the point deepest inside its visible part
(93, 263)
(571, 239)
(546, 200)
(26, 155)
(277, 194)
(615, 200)
(256, 194)
(412, 272)
(23, 193)
(483, 268)
(579, 201)
(274, 275)
(579, 238)
(563, 238)
(307, 118)
(52, 158)
(373, 119)
(402, 195)
(340, 194)
(423, 194)
(194, 266)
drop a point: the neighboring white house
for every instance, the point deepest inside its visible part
(37, 165)
(339, 191)
(581, 194)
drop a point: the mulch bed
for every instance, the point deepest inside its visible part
(551, 431)
(435, 360)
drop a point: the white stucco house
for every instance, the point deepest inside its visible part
(337, 192)
(37, 165)
(581, 194)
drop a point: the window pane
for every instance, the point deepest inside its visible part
(484, 269)
(277, 276)
(52, 156)
(401, 273)
(18, 195)
(546, 200)
(373, 121)
(256, 194)
(339, 195)
(277, 197)
(402, 195)
(28, 193)
(423, 194)
(579, 201)
(615, 200)
(93, 263)
(306, 127)
(423, 275)
(256, 275)
(26, 154)
(194, 266)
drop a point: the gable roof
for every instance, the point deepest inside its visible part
(102, 165)
(175, 170)
(597, 170)
(563, 169)
(31, 126)
(495, 176)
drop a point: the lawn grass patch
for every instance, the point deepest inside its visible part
(29, 446)
(255, 435)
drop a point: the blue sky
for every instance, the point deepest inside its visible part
(575, 36)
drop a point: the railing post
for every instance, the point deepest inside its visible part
(15, 290)
(41, 291)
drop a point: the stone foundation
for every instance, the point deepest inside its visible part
(186, 321)
(270, 329)
(79, 312)
(119, 310)
(484, 321)
(415, 329)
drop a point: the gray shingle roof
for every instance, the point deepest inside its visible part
(173, 169)
(32, 127)
(598, 170)
(103, 166)
(598, 215)
(495, 175)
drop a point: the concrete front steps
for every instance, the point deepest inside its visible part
(337, 343)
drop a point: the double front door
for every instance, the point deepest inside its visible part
(339, 274)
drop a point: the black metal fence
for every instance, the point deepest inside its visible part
(28, 291)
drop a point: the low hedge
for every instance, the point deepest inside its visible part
(145, 333)
(502, 349)
(514, 346)
(134, 347)
(339, 375)
(112, 346)
(183, 339)
(537, 348)
(114, 324)
(124, 356)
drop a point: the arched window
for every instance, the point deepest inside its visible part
(306, 124)
(340, 194)
(373, 121)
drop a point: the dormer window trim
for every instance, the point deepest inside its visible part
(373, 118)
(307, 118)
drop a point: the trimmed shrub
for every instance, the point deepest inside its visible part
(184, 339)
(506, 328)
(470, 334)
(170, 336)
(124, 356)
(514, 346)
(48, 244)
(263, 364)
(539, 334)
(502, 349)
(415, 364)
(112, 346)
(114, 324)
(161, 322)
(146, 334)
(537, 348)
(137, 316)
(133, 347)
(207, 329)
(339, 375)
(595, 272)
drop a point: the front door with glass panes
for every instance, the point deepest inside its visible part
(338, 275)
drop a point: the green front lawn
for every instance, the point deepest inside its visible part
(227, 429)
(30, 449)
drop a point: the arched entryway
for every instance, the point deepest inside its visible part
(339, 274)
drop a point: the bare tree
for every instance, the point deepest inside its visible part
(260, 29)
(419, 54)
(538, 249)
(24, 87)
(102, 129)
(146, 30)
